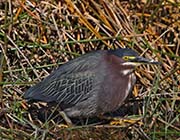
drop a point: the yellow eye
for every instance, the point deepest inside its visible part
(126, 58)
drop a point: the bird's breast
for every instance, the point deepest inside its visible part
(116, 88)
(123, 89)
(116, 85)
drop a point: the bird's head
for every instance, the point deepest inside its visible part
(131, 58)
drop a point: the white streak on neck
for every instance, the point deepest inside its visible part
(127, 71)
(130, 64)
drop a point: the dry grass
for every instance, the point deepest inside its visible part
(37, 36)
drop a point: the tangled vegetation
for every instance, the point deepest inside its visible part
(38, 36)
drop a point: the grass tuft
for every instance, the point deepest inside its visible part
(38, 36)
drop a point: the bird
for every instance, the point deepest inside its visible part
(92, 84)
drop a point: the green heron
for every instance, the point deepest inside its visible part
(90, 85)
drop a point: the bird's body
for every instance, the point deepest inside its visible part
(89, 85)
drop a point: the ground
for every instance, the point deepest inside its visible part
(38, 36)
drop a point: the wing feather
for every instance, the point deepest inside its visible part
(70, 83)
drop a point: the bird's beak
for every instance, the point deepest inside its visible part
(142, 60)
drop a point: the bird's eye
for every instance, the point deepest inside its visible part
(126, 58)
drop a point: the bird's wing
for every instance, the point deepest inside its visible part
(69, 84)
(70, 89)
